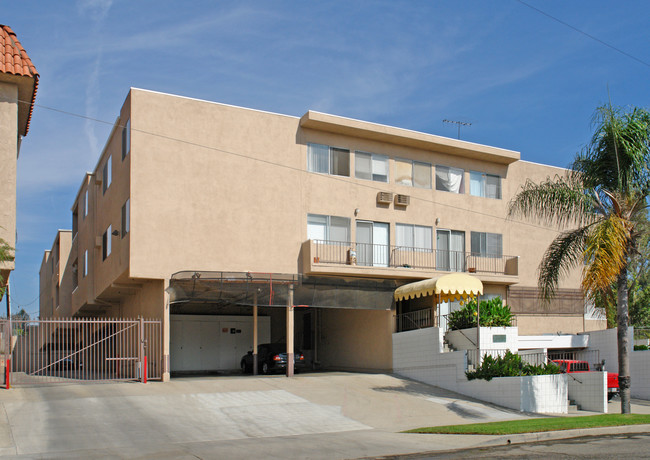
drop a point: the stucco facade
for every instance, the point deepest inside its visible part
(18, 84)
(201, 186)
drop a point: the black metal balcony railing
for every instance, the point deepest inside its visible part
(382, 255)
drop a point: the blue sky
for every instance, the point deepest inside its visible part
(524, 81)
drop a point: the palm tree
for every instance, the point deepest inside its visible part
(598, 205)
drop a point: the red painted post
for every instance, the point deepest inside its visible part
(8, 374)
(144, 371)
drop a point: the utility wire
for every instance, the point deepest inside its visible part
(618, 50)
(343, 179)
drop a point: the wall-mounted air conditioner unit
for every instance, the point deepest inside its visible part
(402, 200)
(384, 197)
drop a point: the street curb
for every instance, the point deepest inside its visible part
(522, 438)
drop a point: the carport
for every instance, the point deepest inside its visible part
(275, 290)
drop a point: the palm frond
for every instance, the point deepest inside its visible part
(561, 201)
(565, 253)
(606, 253)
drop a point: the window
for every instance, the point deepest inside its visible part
(414, 236)
(86, 204)
(107, 174)
(486, 185)
(85, 263)
(126, 219)
(487, 244)
(450, 250)
(75, 274)
(126, 139)
(450, 179)
(75, 222)
(106, 242)
(328, 160)
(328, 228)
(371, 166)
(412, 173)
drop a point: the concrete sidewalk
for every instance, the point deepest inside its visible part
(324, 415)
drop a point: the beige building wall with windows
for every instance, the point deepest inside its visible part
(184, 184)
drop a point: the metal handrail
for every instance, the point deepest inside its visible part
(393, 256)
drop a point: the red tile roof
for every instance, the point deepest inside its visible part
(14, 60)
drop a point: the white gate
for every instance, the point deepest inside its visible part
(80, 350)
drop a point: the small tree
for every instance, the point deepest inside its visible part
(6, 255)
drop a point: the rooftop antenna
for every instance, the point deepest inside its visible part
(459, 123)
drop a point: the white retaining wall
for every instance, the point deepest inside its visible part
(416, 355)
(466, 339)
(589, 390)
(640, 374)
(606, 342)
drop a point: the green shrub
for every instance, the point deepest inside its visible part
(509, 365)
(640, 347)
(493, 314)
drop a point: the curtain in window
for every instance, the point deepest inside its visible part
(421, 175)
(403, 171)
(339, 229)
(449, 179)
(380, 168)
(457, 251)
(362, 166)
(404, 235)
(475, 183)
(318, 158)
(423, 237)
(493, 187)
(316, 227)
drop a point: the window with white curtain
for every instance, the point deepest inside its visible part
(485, 185)
(487, 244)
(412, 173)
(414, 236)
(328, 160)
(450, 179)
(371, 166)
(328, 228)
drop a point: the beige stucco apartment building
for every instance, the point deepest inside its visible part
(196, 209)
(18, 84)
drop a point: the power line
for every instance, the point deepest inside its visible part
(343, 179)
(618, 50)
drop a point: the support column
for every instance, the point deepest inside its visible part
(255, 333)
(165, 333)
(290, 332)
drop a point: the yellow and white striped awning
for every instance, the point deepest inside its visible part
(454, 286)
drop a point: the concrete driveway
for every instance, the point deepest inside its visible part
(321, 415)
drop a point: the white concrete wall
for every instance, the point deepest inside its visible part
(640, 373)
(553, 341)
(465, 339)
(606, 342)
(416, 356)
(589, 390)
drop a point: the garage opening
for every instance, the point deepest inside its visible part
(336, 323)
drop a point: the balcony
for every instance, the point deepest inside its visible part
(376, 260)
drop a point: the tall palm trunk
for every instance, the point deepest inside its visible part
(623, 342)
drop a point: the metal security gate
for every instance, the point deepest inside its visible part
(80, 350)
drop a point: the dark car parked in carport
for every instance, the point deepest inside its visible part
(272, 357)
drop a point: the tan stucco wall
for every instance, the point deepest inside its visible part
(536, 324)
(8, 158)
(356, 339)
(216, 187)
